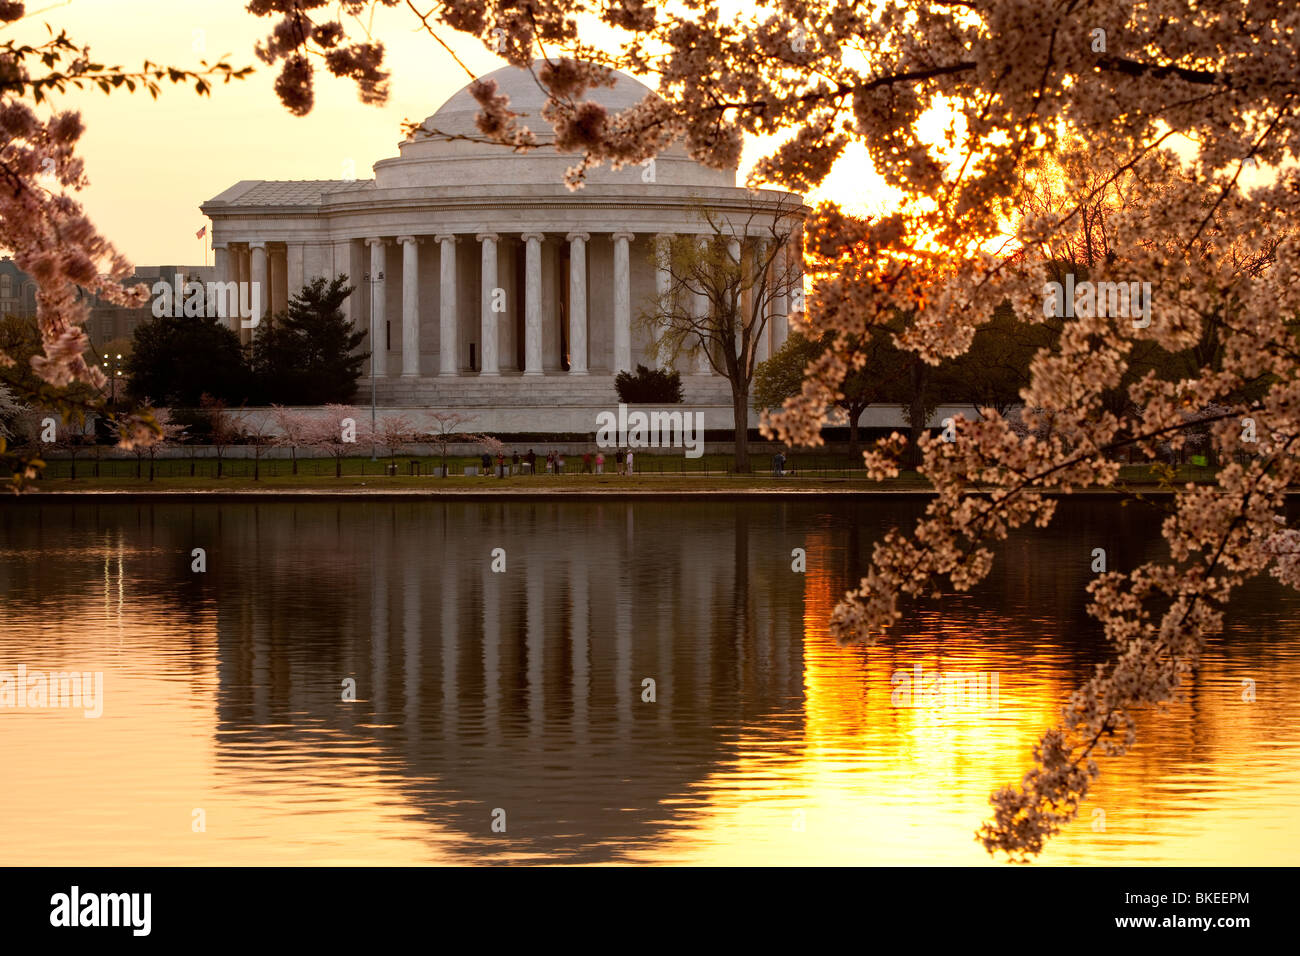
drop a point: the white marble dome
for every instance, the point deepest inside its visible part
(436, 159)
(527, 98)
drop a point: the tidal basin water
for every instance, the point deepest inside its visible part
(518, 696)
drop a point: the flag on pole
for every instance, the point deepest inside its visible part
(202, 232)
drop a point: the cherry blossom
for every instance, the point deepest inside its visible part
(1020, 146)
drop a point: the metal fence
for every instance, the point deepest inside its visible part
(714, 466)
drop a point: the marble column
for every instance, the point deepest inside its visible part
(216, 303)
(702, 306)
(795, 252)
(763, 288)
(448, 329)
(378, 310)
(221, 261)
(488, 287)
(236, 252)
(781, 298)
(578, 302)
(663, 282)
(533, 304)
(295, 269)
(239, 273)
(410, 306)
(260, 279)
(622, 303)
(275, 269)
(316, 259)
(735, 252)
(340, 260)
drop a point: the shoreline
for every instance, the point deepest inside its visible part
(827, 490)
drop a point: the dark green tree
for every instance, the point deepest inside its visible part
(781, 376)
(996, 367)
(177, 360)
(879, 379)
(20, 339)
(649, 386)
(308, 354)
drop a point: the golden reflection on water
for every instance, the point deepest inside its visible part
(768, 742)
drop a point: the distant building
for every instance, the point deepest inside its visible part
(17, 290)
(107, 322)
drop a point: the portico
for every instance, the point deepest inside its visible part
(471, 263)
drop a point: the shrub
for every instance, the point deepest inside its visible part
(659, 386)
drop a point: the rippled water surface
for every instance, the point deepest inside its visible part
(518, 695)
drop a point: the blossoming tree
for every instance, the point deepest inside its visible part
(393, 433)
(956, 104)
(294, 430)
(448, 427)
(46, 230)
(1192, 104)
(339, 432)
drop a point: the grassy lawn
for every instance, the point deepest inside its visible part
(822, 466)
(665, 473)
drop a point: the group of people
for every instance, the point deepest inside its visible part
(555, 463)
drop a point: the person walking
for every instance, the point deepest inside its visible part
(485, 460)
(600, 462)
(550, 462)
(501, 464)
(531, 458)
(618, 460)
(559, 462)
(629, 461)
(586, 463)
(514, 462)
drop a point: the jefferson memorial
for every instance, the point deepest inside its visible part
(489, 286)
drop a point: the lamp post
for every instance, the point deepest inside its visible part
(113, 368)
(379, 277)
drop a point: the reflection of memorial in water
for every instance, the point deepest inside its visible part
(223, 689)
(520, 690)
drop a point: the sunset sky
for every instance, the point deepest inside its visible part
(151, 163)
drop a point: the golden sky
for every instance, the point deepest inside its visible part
(151, 163)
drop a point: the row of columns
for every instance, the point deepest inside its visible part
(253, 263)
(277, 275)
(489, 362)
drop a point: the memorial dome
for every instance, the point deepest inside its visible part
(441, 159)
